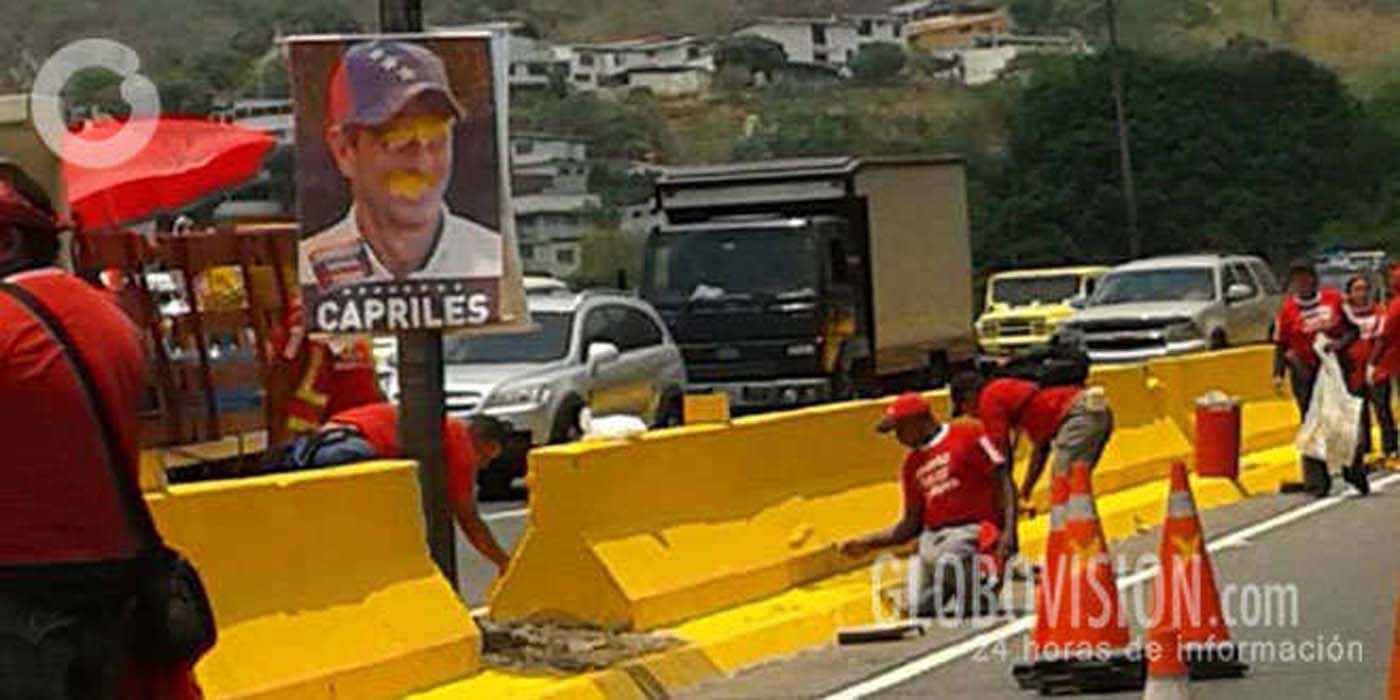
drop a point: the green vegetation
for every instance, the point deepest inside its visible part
(878, 62)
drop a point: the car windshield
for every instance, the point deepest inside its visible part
(1172, 284)
(1022, 291)
(748, 263)
(548, 343)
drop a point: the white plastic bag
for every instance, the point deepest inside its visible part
(618, 427)
(1331, 430)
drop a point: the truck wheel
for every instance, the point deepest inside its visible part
(1218, 341)
(566, 428)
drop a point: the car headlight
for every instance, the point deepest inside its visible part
(520, 395)
(1182, 330)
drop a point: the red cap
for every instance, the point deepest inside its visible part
(907, 405)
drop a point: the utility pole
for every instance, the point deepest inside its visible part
(422, 403)
(1125, 154)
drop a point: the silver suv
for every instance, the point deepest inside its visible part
(1177, 304)
(606, 351)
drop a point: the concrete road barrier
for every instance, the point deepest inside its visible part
(321, 584)
(1270, 417)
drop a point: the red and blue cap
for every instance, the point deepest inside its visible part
(376, 79)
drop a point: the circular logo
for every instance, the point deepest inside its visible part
(136, 90)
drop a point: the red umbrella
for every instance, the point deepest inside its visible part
(185, 160)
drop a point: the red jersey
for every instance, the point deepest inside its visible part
(56, 491)
(379, 424)
(1388, 361)
(1369, 322)
(339, 372)
(953, 477)
(1300, 321)
(1006, 404)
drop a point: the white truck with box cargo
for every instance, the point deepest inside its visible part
(795, 282)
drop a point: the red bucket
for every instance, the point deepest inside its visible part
(1218, 428)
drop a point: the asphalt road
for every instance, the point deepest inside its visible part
(474, 573)
(1338, 558)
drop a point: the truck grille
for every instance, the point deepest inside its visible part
(1124, 339)
(1012, 327)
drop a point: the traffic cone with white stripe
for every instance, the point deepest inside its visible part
(1054, 543)
(1167, 675)
(1084, 647)
(1185, 597)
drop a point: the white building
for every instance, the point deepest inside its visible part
(548, 164)
(592, 66)
(550, 228)
(675, 81)
(921, 9)
(823, 41)
(532, 60)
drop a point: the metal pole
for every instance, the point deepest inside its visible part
(1124, 151)
(422, 402)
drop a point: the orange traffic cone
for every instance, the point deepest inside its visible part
(1395, 653)
(1025, 673)
(1185, 598)
(1083, 646)
(1166, 672)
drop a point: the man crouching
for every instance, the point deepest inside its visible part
(952, 490)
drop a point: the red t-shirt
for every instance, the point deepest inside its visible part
(1368, 322)
(1299, 322)
(379, 424)
(1388, 364)
(953, 477)
(56, 494)
(349, 381)
(1008, 403)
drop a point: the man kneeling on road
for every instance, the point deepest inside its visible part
(372, 432)
(952, 488)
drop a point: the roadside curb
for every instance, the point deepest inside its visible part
(718, 645)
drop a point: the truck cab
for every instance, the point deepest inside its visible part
(759, 305)
(1024, 308)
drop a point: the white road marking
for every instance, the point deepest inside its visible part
(505, 514)
(940, 657)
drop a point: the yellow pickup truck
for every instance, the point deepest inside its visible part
(1024, 307)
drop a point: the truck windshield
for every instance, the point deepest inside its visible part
(1023, 291)
(549, 343)
(1173, 284)
(761, 264)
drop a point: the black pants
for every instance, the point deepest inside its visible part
(68, 642)
(1378, 403)
(1302, 378)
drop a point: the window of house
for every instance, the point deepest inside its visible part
(564, 256)
(620, 59)
(866, 27)
(523, 148)
(819, 34)
(585, 59)
(536, 69)
(527, 250)
(820, 57)
(692, 53)
(581, 77)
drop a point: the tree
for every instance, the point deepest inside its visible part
(1248, 149)
(753, 54)
(878, 61)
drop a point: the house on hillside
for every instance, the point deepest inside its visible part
(611, 64)
(532, 60)
(551, 228)
(548, 164)
(957, 31)
(921, 9)
(830, 42)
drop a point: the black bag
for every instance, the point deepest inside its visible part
(1061, 363)
(172, 623)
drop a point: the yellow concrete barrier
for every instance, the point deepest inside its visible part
(1270, 417)
(321, 585)
(684, 522)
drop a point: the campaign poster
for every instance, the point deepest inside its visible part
(402, 187)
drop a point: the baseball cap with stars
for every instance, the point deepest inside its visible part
(375, 79)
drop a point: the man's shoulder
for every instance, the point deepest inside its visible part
(341, 234)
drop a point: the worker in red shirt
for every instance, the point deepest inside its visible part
(952, 487)
(314, 377)
(1384, 363)
(70, 566)
(1073, 420)
(1365, 315)
(467, 445)
(1307, 312)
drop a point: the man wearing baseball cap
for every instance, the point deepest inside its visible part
(952, 490)
(391, 114)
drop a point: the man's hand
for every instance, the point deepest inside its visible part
(1370, 375)
(854, 548)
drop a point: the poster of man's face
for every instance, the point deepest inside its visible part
(401, 194)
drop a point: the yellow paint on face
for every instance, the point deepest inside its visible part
(409, 183)
(401, 132)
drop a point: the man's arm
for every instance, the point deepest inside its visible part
(903, 531)
(1008, 512)
(479, 534)
(1039, 456)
